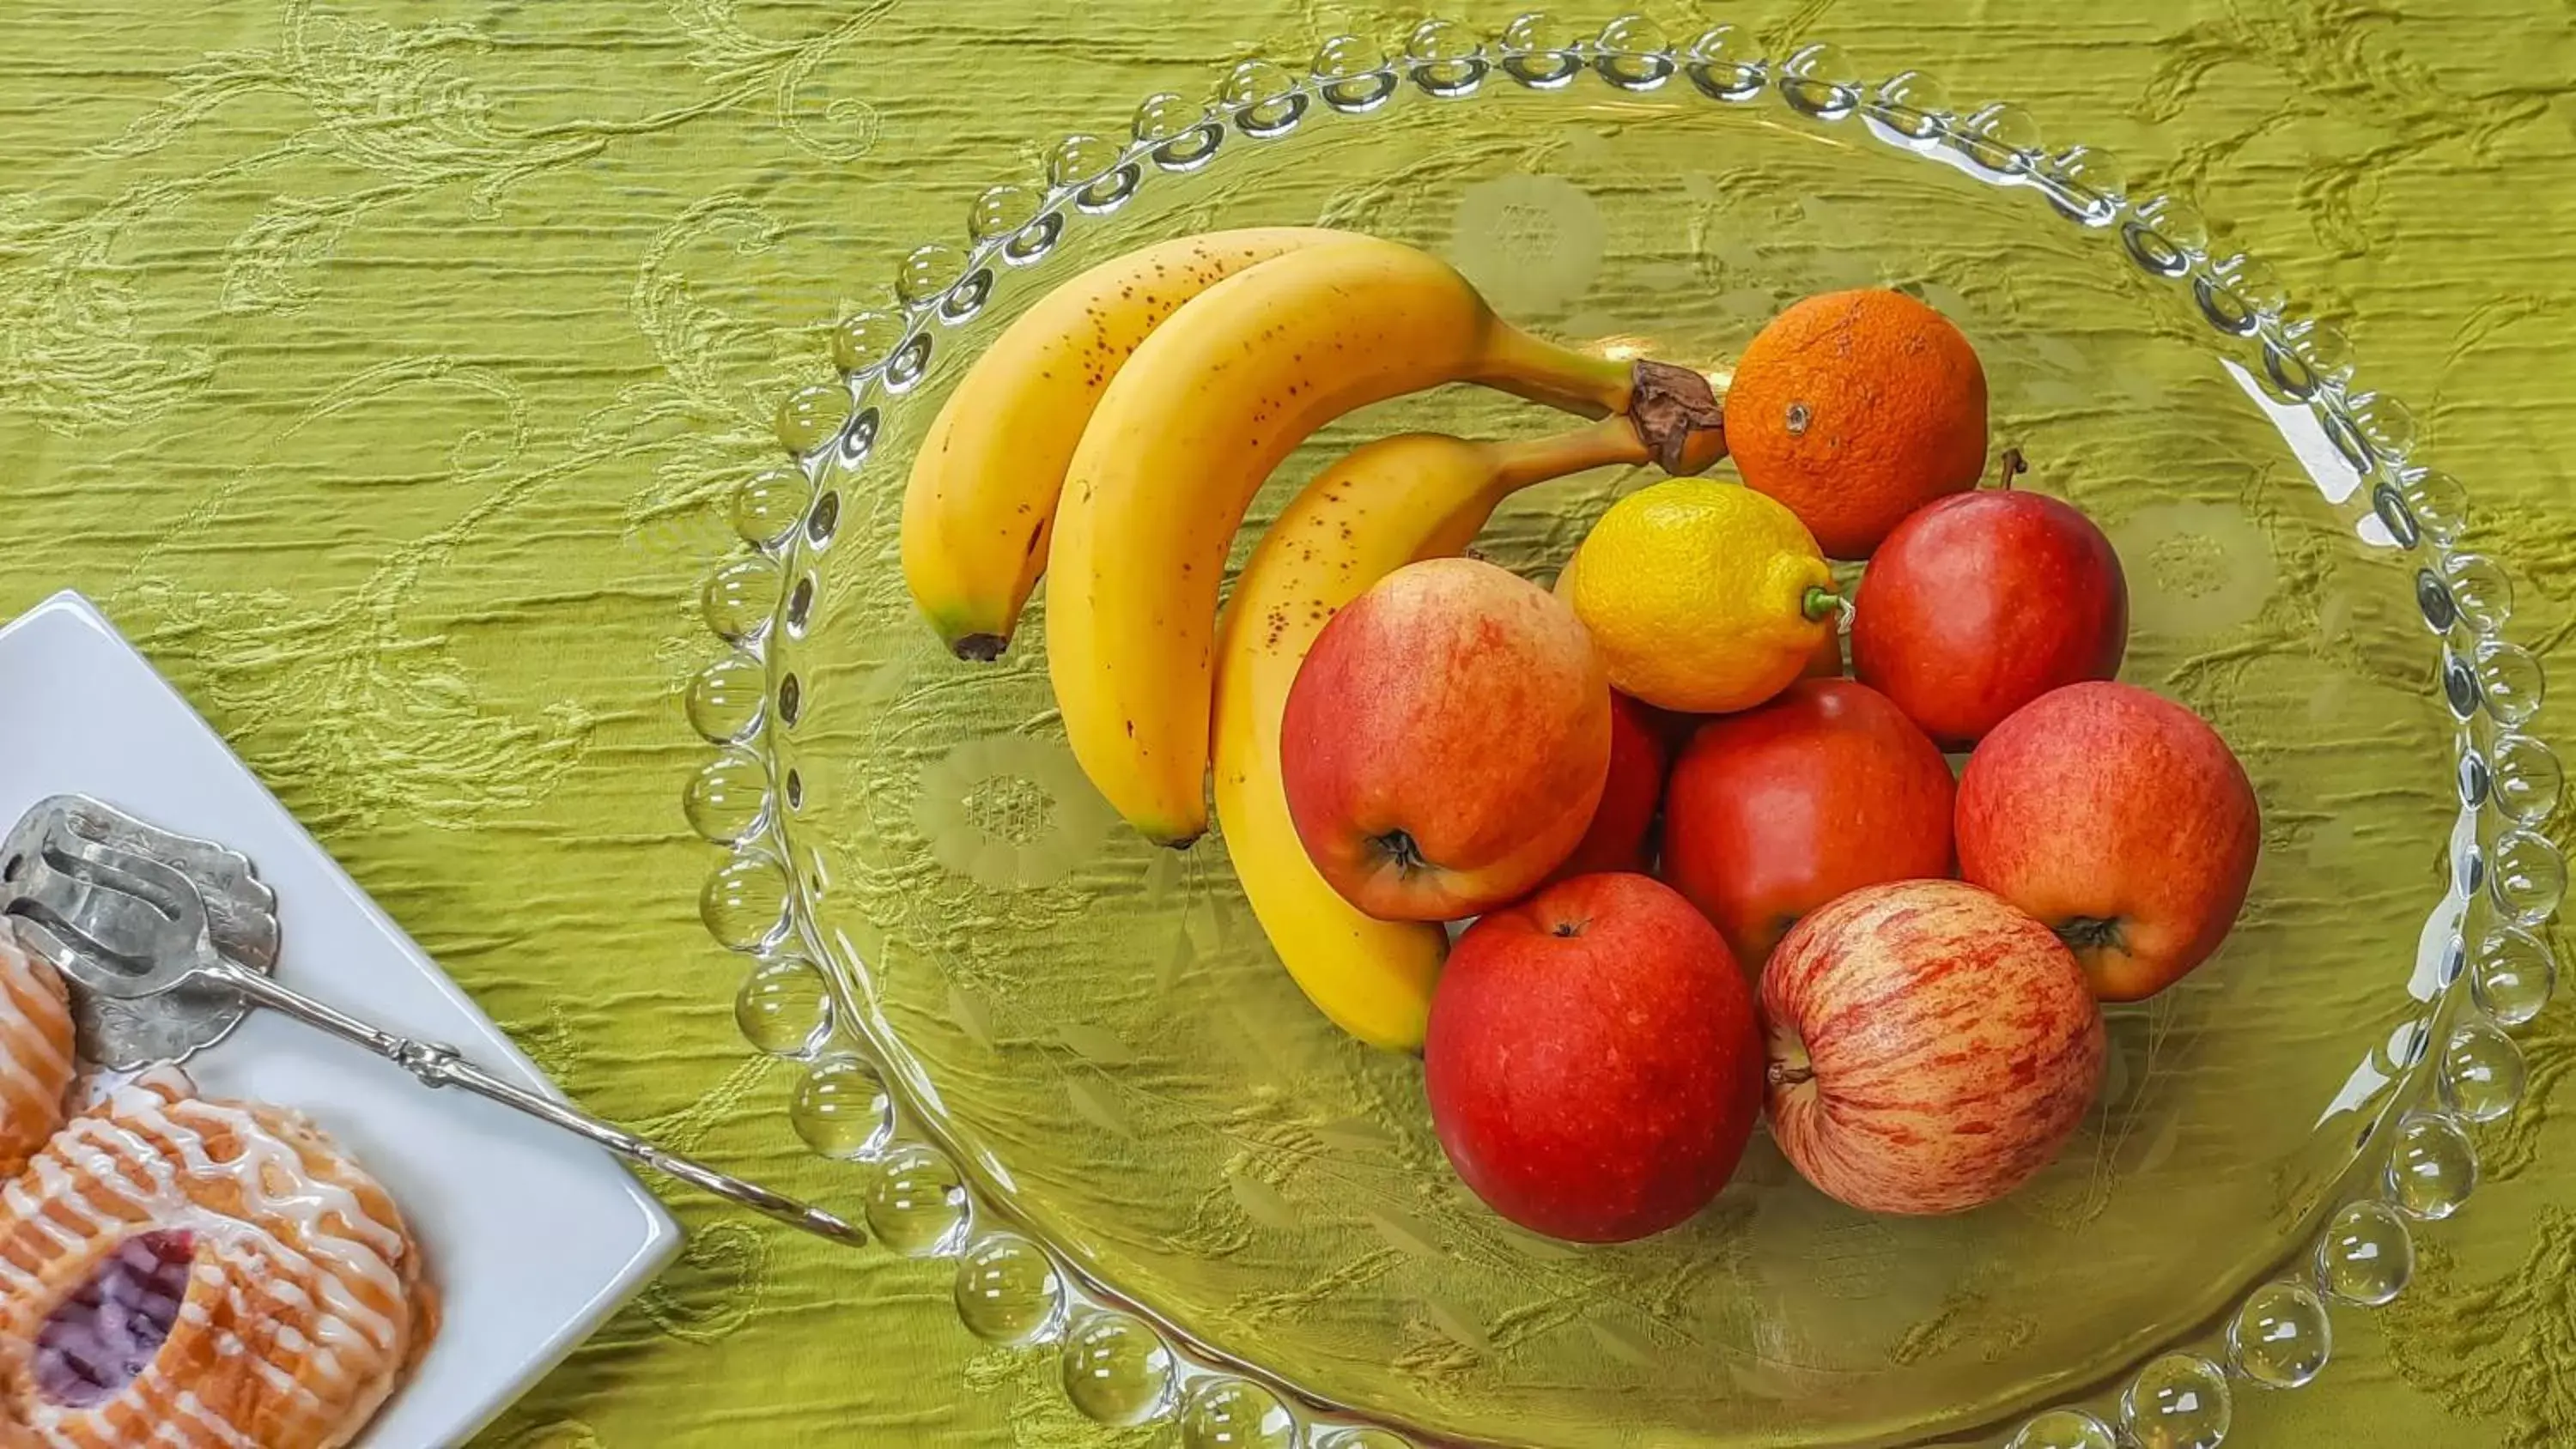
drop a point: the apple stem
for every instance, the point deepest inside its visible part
(1399, 847)
(2010, 466)
(1788, 1074)
(1821, 603)
(2093, 933)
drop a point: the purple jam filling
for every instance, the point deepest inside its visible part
(106, 1334)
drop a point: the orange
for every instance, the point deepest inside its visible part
(1855, 409)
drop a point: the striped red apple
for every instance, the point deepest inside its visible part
(1928, 1046)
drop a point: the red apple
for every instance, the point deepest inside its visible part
(1930, 1047)
(1672, 728)
(1827, 661)
(2122, 821)
(1982, 602)
(1624, 822)
(1775, 811)
(1446, 741)
(1593, 1065)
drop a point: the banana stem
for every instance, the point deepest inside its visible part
(1522, 462)
(1512, 466)
(1674, 408)
(1678, 414)
(1562, 378)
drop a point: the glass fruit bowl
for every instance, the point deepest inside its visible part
(1066, 1060)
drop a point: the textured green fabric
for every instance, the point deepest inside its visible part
(381, 369)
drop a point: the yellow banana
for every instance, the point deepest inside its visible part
(982, 494)
(1383, 506)
(1183, 438)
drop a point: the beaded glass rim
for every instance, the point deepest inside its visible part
(1122, 1366)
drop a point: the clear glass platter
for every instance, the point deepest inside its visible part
(1064, 1058)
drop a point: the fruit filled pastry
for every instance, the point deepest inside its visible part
(189, 1272)
(35, 1052)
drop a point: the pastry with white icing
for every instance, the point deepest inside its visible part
(35, 1052)
(185, 1272)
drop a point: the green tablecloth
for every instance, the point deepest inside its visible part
(381, 368)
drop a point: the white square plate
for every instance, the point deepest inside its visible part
(532, 1236)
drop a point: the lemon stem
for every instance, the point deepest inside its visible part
(1821, 603)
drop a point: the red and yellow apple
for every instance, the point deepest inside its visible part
(1775, 811)
(1929, 1047)
(1593, 1065)
(1623, 824)
(1446, 742)
(1982, 602)
(2122, 821)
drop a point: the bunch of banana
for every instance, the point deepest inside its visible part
(1384, 505)
(1184, 437)
(1113, 438)
(981, 499)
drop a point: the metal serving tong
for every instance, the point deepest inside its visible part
(241, 911)
(136, 917)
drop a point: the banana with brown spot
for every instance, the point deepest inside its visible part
(1415, 496)
(981, 499)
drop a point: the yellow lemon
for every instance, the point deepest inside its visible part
(1703, 597)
